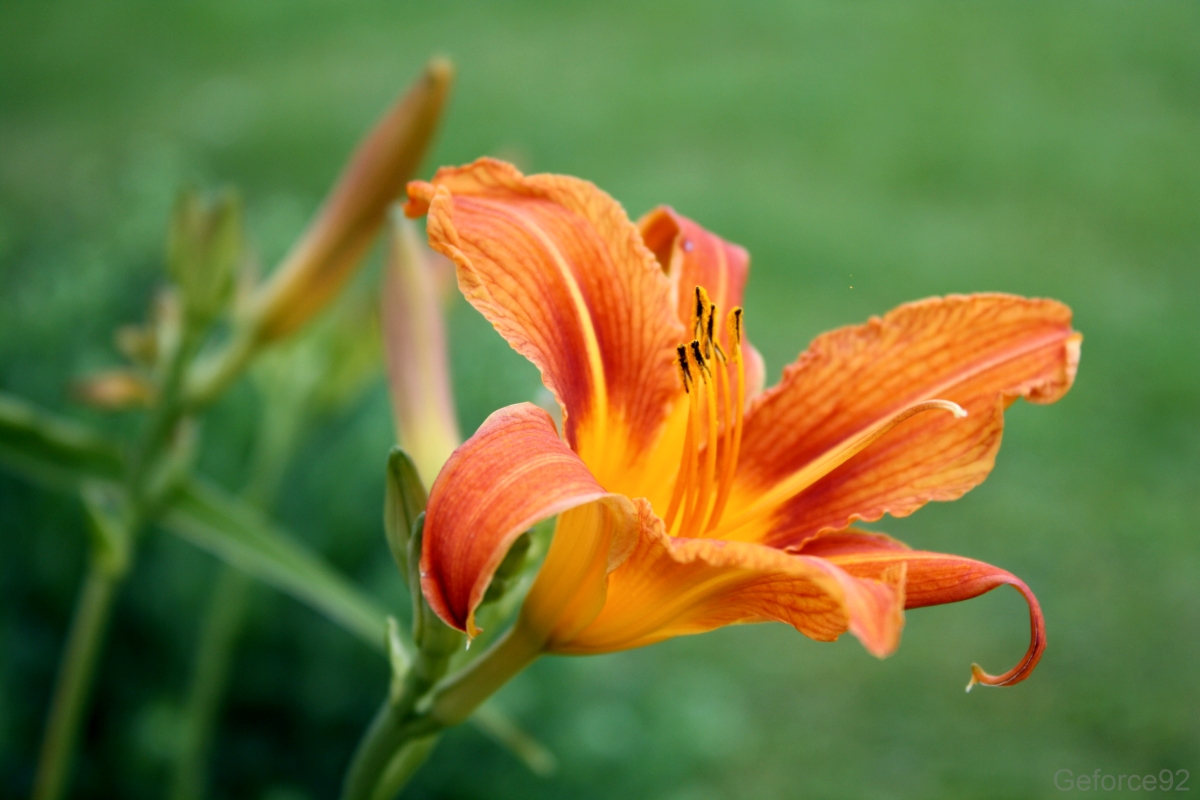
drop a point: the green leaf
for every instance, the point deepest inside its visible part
(52, 450)
(506, 733)
(239, 534)
(404, 499)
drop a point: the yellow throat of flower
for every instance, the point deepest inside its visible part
(716, 402)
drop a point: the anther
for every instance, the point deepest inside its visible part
(709, 340)
(685, 372)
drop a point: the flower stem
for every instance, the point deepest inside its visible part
(381, 742)
(403, 766)
(102, 580)
(223, 620)
(404, 729)
(458, 696)
(214, 654)
(212, 375)
(92, 611)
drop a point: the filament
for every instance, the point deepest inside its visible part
(708, 460)
(683, 475)
(734, 326)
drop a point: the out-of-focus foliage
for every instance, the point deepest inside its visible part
(865, 153)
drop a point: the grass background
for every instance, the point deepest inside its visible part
(866, 153)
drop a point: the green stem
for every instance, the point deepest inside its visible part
(210, 674)
(163, 419)
(457, 697)
(412, 718)
(101, 583)
(213, 374)
(71, 689)
(383, 739)
(403, 766)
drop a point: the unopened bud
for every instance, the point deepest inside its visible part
(115, 390)
(414, 339)
(203, 248)
(403, 500)
(336, 241)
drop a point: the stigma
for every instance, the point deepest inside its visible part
(715, 384)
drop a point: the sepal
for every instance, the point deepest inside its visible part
(435, 640)
(404, 500)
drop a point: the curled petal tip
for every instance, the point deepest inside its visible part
(420, 194)
(1037, 645)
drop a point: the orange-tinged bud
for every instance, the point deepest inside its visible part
(327, 254)
(414, 339)
(115, 390)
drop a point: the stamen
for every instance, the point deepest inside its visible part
(683, 475)
(720, 373)
(708, 334)
(692, 454)
(702, 487)
(733, 412)
(698, 509)
(685, 374)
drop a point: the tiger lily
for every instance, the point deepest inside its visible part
(687, 498)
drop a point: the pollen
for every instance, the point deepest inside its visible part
(714, 378)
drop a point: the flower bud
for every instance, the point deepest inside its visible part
(414, 339)
(327, 254)
(203, 248)
(404, 499)
(114, 390)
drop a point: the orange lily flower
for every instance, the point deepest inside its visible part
(688, 498)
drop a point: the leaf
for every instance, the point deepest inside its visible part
(51, 450)
(239, 534)
(502, 730)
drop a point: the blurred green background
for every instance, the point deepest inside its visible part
(866, 153)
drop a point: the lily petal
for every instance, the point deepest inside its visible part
(932, 579)
(560, 271)
(672, 587)
(979, 351)
(514, 472)
(692, 256)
